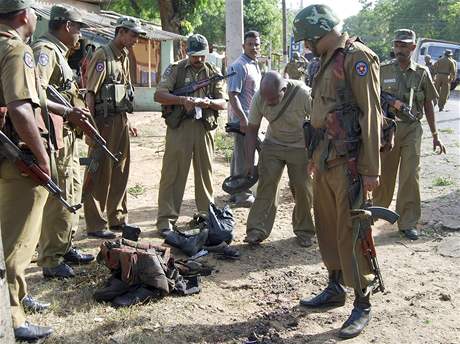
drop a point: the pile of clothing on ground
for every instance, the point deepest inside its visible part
(141, 272)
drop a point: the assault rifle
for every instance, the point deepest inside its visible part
(26, 164)
(234, 127)
(366, 218)
(84, 125)
(197, 85)
(387, 100)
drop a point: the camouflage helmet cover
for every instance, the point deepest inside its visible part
(313, 22)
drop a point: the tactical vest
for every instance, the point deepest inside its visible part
(178, 114)
(114, 97)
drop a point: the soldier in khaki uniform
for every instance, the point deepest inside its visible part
(285, 104)
(354, 68)
(109, 98)
(193, 139)
(429, 64)
(412, 84)
(22, 200)
(59, 224)
(296, 68)
(446, 72)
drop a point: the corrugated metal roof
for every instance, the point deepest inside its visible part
(101, 24)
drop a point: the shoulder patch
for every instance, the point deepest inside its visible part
(28, 60)
(100, 66)
(168, 71)
(361, 68)
(43, 59)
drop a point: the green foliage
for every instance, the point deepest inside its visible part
(136, 190)
(224, 145)
(144, 9)
(377, 21)
(442, 181)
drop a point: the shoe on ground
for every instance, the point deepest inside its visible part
(411, 234)
(102, 234)
(140, 295)
(75, 256)
(60, 271)
(304, 240)
(254, 237)
(33, 305)
(333, 295)
(356, 322)
(30, 332)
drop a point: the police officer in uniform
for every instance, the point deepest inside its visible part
(193, 139)
(354, 68)
(285, 104)
(429, 64)
(51, 51)
(446, 72)
(410, 82)
(22, 200)
(296, 68)
(109, 98)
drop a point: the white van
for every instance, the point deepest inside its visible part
(436, 48)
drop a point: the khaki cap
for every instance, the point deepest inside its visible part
(130, 23)
(448, 52)
(404, 35)
(197, 45)
(7, 6)
(59, 12)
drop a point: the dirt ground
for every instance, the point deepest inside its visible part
(255, 299)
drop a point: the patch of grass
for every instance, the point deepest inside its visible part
(443, 181)
(447, 130)
(136, 190)
(224, 145)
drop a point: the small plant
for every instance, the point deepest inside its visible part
(447, 130)
(224, 145)
(443, 181)
(136, 190)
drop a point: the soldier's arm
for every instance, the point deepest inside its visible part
(250, 139)
(430, 95)
(219, 101)
(364, 75)
(97, 70)
(163, 93)
(20, 96)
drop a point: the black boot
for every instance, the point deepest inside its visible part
(333, 296)
(358, 319)
(190, 245)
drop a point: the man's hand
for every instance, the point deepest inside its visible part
(244, 124)
(78, 115)
(188, 103)
(370, 182)
(133, 130)
(44, 165)
(203, 103)
(437, 143)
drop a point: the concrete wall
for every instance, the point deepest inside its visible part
(143, 99)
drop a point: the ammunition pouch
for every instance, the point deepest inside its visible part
(210, 119)
(174, 115)
(344, 131)
(113, 99)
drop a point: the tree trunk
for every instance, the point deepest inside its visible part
(171, 22)
(6, 327)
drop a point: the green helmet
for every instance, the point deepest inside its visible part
(313, 22)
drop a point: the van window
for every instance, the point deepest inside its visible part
(436, 52)
(422, 51)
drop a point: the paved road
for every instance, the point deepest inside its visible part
(450, 119)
